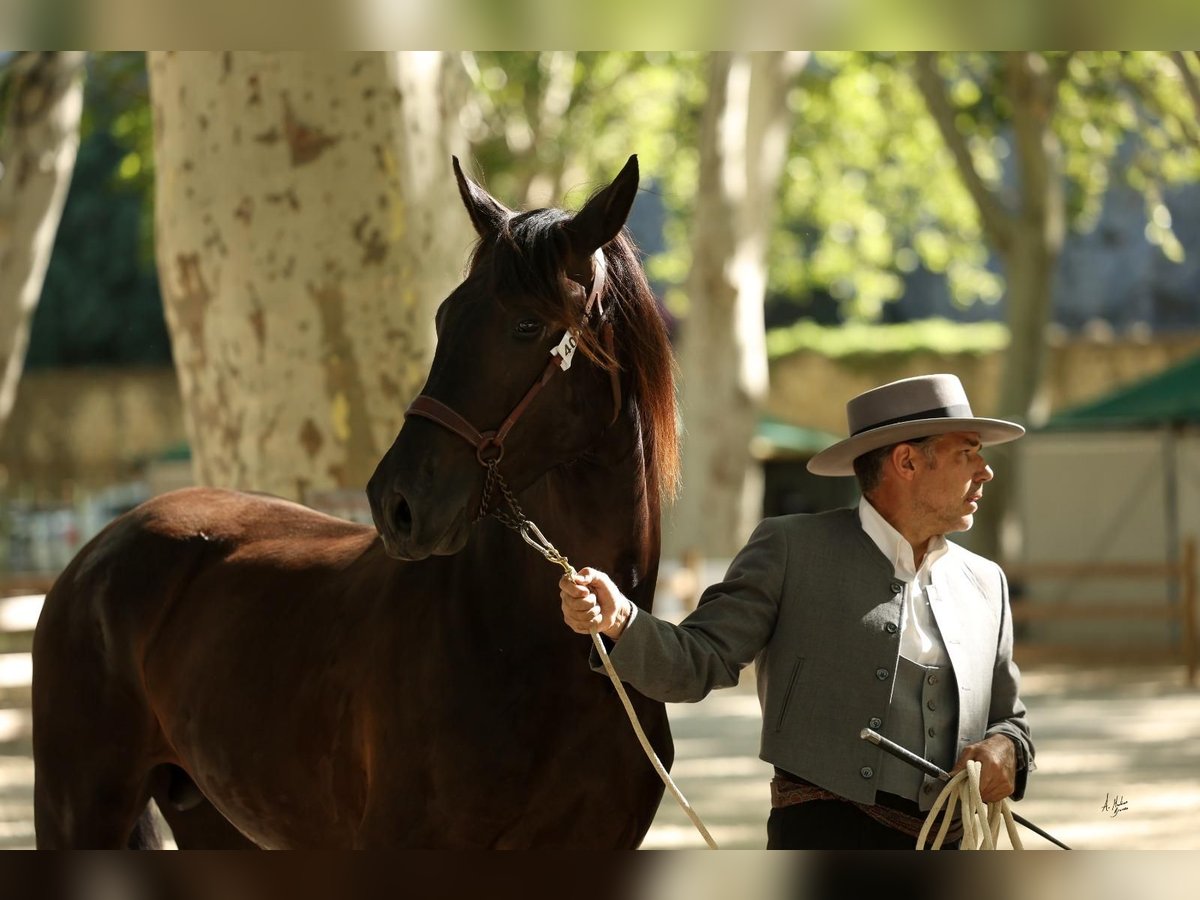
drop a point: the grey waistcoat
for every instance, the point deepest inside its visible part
(923, 718)
(815, 604)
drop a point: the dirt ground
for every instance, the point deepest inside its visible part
(1101, 734)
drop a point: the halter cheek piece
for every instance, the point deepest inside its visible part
(489, 445)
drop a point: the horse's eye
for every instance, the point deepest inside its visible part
(528, 328)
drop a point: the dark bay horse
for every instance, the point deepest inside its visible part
(277, 677)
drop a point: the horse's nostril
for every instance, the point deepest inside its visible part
(402, 516)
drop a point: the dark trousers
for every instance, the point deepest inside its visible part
(833, 825)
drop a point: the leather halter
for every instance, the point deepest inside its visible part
(489, 445)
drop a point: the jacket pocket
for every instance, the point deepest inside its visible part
(797, 667)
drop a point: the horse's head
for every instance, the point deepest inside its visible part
(534, 277)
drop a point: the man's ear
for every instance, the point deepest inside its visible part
(903, 460)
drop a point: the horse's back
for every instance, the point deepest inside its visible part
(125, 578)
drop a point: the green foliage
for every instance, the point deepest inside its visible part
(570, 114)
(939, 336)
(872, 191)
(100, 303)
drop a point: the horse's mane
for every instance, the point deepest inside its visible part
(526, 259)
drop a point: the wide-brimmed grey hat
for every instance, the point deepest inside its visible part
(903, 411)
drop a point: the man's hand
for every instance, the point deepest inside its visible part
(593, 601)
(998, 760)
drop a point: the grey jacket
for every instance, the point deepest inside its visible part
(815, 603)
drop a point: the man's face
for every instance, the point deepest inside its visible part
(947, 489)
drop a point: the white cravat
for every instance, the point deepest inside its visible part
(920, 639)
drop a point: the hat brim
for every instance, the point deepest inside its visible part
(839, 459)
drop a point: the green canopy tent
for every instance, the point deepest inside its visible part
(1170, 398)
(1169, 403)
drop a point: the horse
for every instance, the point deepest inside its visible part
(275, 677)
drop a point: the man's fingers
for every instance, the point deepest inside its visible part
(994, 783)
(569, 588)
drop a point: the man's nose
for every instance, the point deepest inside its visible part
(985, 474)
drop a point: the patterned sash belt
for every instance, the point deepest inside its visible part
(789, 792)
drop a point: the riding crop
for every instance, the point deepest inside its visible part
(907, 756)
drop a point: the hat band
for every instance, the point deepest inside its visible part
(958, 411)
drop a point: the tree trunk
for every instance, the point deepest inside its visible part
(1029, 272)
(307, 227)
(744, 137)
(1038, 231)
(1029, 241)
(1030, 258)
(37, 156)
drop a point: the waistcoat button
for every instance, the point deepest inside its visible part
(931, 704)
(932, 679)
(882, 674)
(875, 722)
(891, 627)
(933, 732)
(866, 771)
(897, 587)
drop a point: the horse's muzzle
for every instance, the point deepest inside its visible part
(408, 536)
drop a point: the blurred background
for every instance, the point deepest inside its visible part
(221, 268)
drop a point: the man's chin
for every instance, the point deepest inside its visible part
(962, 524)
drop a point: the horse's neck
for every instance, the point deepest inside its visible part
(620, 520)
(600, 512)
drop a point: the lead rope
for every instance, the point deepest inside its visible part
(532, 535)
(980, 821)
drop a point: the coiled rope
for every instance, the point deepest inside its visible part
(980, 821)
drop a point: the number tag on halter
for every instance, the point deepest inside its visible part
(565, 350)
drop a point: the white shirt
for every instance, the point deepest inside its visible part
(920, 639)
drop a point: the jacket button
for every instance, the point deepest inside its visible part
(881, 674)
(932, 679)
(931, 705)
(875, 722)
(866, 771)
(891, 627)
(897, 587)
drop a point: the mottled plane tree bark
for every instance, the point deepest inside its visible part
(307, 226)
(43, 105)
(723, 356)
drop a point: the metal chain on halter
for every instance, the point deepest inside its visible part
(516, 519)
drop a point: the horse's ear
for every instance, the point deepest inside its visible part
(487, 213)
(602, 217)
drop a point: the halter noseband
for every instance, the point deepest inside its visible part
(489, 445)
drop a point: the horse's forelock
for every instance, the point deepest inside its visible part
(524, 260)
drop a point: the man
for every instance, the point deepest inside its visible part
(855, 618)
